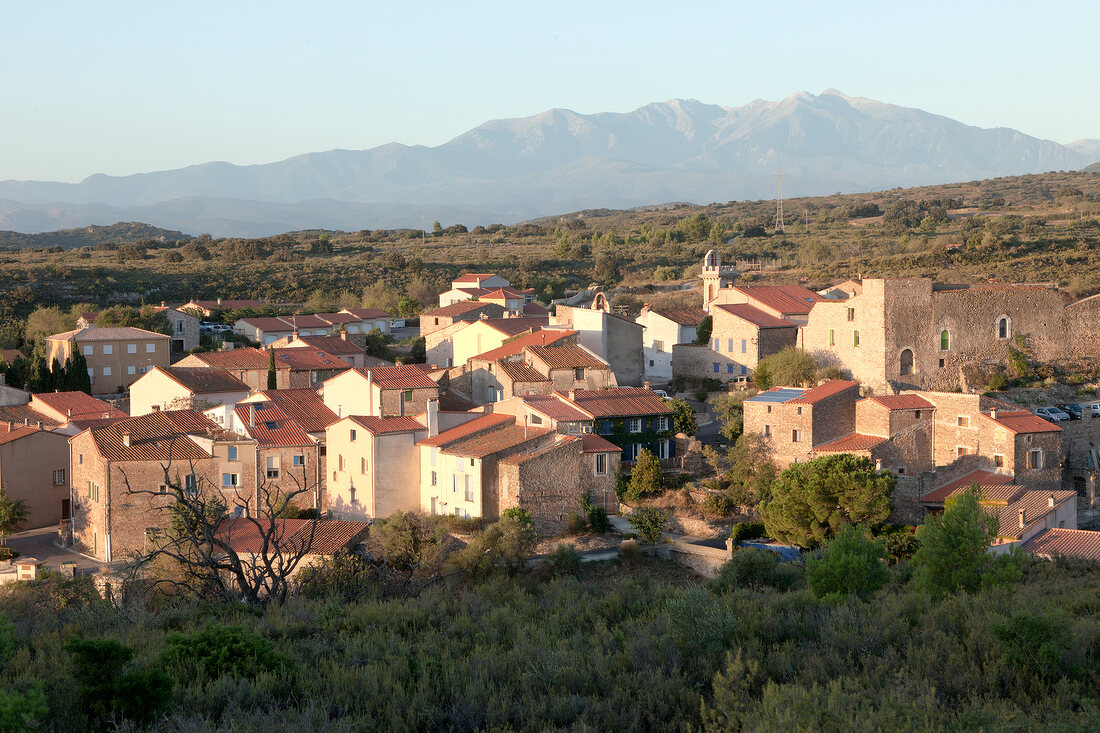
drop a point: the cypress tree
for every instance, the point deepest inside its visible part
(78, 371)
(57, 375)
(271, 381)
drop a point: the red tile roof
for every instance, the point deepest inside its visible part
(515, 326)
(452, 402)
(25, 415)
(203, 380)
(401, 376)
(226, 304)
(681, 316)
(306, 321)
(519, 371)
(755, 316)
(534, 309)
(824, 391)
(367, 314)
(567, 357)
(542, 337)
(619, 402)
(902, 402)
(323, 537)
(303, 405)
(981, 478)
(269, 323)
(385, 425)
(495, 441)
(16, 432)
(247, 358)
(460, 308)
(592, 443)
(1035, 505)
(299, 358)
(329, 344)
(1058, 542)
(793, 299)
(269, 425)
(492, 421)
(82, 405)
(114, 333)
(153, 437)
(850, 443)
(556, 408)
(473, 277)
(1022, 421)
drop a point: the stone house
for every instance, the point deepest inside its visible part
(339, 346)
(316, 540)
(69, 412)
(794, 420)
(119, 472)
(309, 367)
(553, 411)
(248, 365)
(34, 468)
(486, 334)
(615, 339)
(288, 457)
(116, 357)
(488, 382)
(664, 329)
(209, 307)
(464, 311)
(184, 388)
(375, 466)
(633, 418)
(741, 336)
(404, 389)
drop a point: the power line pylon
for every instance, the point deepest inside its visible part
(779, 205)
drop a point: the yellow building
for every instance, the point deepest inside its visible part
(117, 357)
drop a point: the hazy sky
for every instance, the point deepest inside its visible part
(123, 87)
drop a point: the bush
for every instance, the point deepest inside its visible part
(747, 531)
(216, 651)
(717, 505)
(565, 559)
(630, 551)
(755, 569)
(649, 523)
(852, 563)
(576, 524)
(343, 576)
(899, 544)
(597, 515)
(107, 689)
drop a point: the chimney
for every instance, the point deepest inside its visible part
(38, 424)
(219, 300)
(433, 418)
(293, 336)
(126, 439)
(993, 414)
(1050, 501)
(163, 304)
(11, 426)
(370, 394)
(484, 316)
(1023, 518)
(70, 412)
(878, 464)
(343, 334)
(252, 416)
(646, 384)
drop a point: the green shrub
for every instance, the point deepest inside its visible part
(109, 687)
(565, 559)
(717, 505)
(747, 531)
(649, 523)
(215, 651)
(755, 569)
(576, 524)
(852, 563)
(899, 544)
(598, 521)
(630, 551)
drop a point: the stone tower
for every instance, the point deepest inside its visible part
(715, 276)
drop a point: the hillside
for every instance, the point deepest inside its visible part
(90, 236)
(559, 160)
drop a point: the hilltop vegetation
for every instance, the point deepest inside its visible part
(1027, 228)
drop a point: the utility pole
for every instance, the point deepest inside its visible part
(423, 233)
(779, 205)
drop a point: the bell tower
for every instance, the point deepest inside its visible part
(715, 276)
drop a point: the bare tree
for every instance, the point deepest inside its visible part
(228, 545)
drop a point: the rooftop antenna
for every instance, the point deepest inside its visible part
(779, 205)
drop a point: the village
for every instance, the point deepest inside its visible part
(547, 409)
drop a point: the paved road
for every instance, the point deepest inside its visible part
(39, 544)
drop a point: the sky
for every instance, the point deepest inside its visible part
(124, 87)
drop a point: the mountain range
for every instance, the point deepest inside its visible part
(558, 161)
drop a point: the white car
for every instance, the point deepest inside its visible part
(1052, 413)
(397, 323)
(661, 393)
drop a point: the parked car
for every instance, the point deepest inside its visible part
(661, 393)
(397, 323)
(1073, 409)
(222, 328)
(1093, 408)
(1052, 413)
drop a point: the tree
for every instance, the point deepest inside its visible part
(791, 367)
(728, 409)
(953, 548)
(382, 295)
(852, 563)
(108, 688)
(810, 501)
(649, 523)
(437, 229)
(272, 380)
(13, 513)
(684, 420)
(606, 271)
(762, 376)
(43, 322)
(506, 544)
(377, 344)
(751, 470)
(645, 477)
(408, 552)
(76, 371)
(703, 330)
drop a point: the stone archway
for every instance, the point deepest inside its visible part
(599, 303)
(906, 365)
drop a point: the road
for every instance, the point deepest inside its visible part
(39, 544)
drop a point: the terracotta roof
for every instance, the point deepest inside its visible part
(10, 355)
(203, 380)
(1034, 504)
(473, 277)
(555, 408)
(515, 326)
(682, 316)
(226, 304)
(903, 402)
(782, 298)
(502, 294)
(453, 402)
(306, 321)
(981, 478)
(1058, 542)
(400, 376)
(17, 432)
(531, 454)
(303, 405)
(323, 537)
(755, 316)
(850, 443)
(494, 441)
(384, 425)
(1022, 421)
(823, 391)
(26, 415)
(246, 358)
(620, 402)
(83, 406)
(153, 437)
(460, 308)
(367, 314)
(335, 319)
(473, 292)
(268, 323)
(119, 333)
(567, 357)
(519, 371)
(592, 443)
(492, 421)
(542, 337)
(269, 425)
(299, 358)
(329, 344)
(534, 309)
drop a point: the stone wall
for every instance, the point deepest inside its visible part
(833, 417)
(694, 361)
(546, 483)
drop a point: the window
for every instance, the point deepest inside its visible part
(855, 338)
(88, 350)
(340, 462)
(80, 459)
(945, 340)
(536, 419)
(93, 491)
(59, 477)
(299, 460)
(962, 421)
(108, 349)
(635, 425)
(767, 431)
(106, 371)
(717, 344)
(962, 450)
(351, 436)
(601, 463)
(131, 370)
(998, 461)
(729, 345)
(363, 465)
(131, 348)
(744, 346)
(1034, 459)
(434, 452)
(408, 395)
(435, 478)
(916, 414)
(832, 337)
(729, 368)
(150, 348)
(229, 480)
(796, 436)
(744, 370)
(605, 427)
(461, 513)
(1003, 328)
(469, 489)
(232, 452)
(272, 467)
(662, 424)
(572, 428)
(179, 326)
(769, 408)
(716, 368)
(941, 363)
(190, 483)
(906, 363)
(663, 450)
(578, 373)
(851, 314)
(659, 345)
(651, 362)
(901, 470)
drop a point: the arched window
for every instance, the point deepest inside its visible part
(712, 259)
(945, 340)
(906, 362)
(1004, 328)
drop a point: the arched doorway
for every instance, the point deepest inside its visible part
(906, 362)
